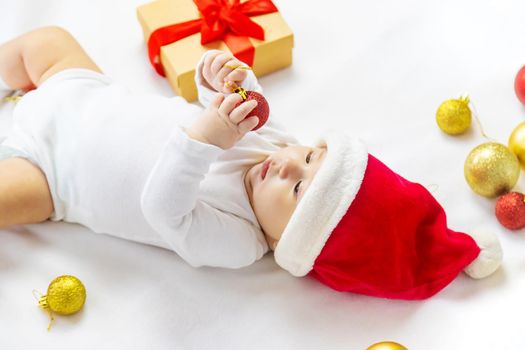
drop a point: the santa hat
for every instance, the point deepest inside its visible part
(362, 228)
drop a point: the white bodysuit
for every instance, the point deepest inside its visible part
(121, 164)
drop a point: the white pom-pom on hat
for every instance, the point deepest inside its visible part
(490, 256)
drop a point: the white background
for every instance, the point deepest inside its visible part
(378, 70)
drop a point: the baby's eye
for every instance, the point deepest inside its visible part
(308, 157)
(296, 188)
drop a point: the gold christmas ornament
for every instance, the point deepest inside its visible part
(517, 143)
(491, 169)
(386, 345)
(454, 116)
(65, 296)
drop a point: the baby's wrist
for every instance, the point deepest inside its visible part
(196, 135)
(205, 136)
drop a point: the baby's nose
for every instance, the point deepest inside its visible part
(289, 167)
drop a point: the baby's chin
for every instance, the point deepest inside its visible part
(248, 183)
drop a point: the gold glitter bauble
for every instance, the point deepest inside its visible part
(517, 143)
(454, 116)
(491, 169)
(386, 345)
(65, 295)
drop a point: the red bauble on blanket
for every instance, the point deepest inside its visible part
(261, 111)
(510, 210)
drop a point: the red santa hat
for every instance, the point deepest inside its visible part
(362, 228)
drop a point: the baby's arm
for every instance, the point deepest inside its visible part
(199, 233)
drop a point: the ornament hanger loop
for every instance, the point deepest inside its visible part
(37, 295)
(42, 301)
(237, 89)
(475, 113)
(237, 67)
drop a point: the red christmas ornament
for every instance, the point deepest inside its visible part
(519, 85)
(261, 111)
(510, 210)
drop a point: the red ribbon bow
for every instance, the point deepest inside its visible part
(228, 20)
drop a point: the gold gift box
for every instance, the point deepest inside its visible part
(179, 58)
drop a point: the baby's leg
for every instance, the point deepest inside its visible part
(24, 193)
(25, 63)
(28, 60)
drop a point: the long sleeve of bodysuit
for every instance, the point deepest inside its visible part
(196, 231)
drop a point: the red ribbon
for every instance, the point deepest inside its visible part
(226, 20)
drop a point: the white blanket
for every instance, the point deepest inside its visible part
(379, 69)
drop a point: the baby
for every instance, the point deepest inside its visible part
(164, 172)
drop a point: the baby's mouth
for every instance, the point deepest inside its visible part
(265, 167)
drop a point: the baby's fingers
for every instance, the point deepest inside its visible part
(239, 113)
(238, 75)
(206, 68)
(229, 103)
(219, 62)
(248, 124)
(217, 101)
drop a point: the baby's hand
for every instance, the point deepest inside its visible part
(220, 67)
(222, 124)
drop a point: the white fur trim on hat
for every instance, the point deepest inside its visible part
(489, 259)
(324, 204)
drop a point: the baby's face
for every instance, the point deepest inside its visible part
(274, 197)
